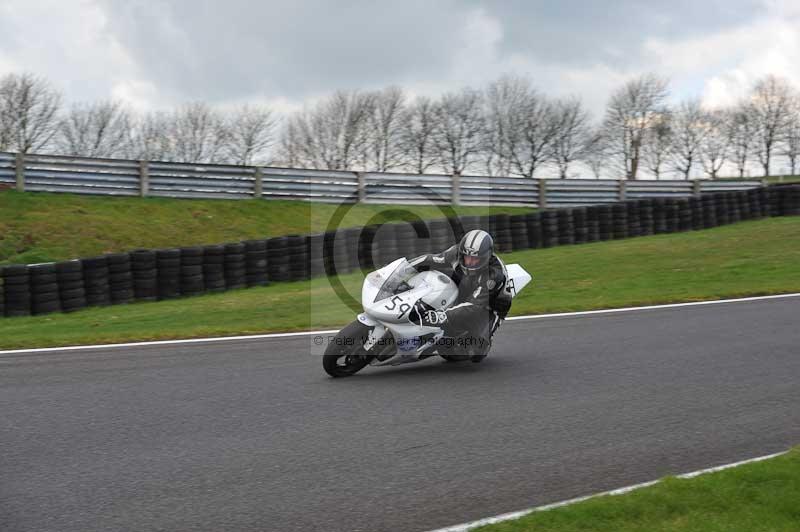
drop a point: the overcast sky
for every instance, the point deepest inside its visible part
(155, 54)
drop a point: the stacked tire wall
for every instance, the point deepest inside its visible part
(152, 275)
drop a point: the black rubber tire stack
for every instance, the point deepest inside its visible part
(347, 249)
(659, 215)
(70, 284)
(696, 211)
(424, 238)
(367, 259)
(316, 263)
(298, 257)
(549, 228)
(790, 200)
(145, 275)
(721, 207)
(120, 278)
(533, 223)
(671, 213)
(734, 214)
(192, 283)
(634, 220)
(684, 214)
(96, 281)
(566, 227)
(501, 232)
(754, 201)
(619, 217)
(234, 262)
(709, 207)
(457, 230)
(406, 241)
(744, 205)
(579, 221)
(168, 265)
(17, 288)
(646, 217)
(386, 244)
(45, 294)
(592, 223)
(519, 231)
(255, 262)
(278, 259)
(468, 223)
(605, 220)
(214, 268)
(773, 202)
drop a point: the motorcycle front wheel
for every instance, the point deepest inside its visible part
(345, 355)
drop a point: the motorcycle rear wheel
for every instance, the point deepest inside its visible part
(345, 355)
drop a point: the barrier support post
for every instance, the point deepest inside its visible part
(455, 188)
(542, 193)
(623, 190)
(362, 187)
(696, 187)
(258, 183)
(144, 178)
(19, 171)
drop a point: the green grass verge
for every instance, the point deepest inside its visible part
(749, 258)
(42, 227)
(761, 496)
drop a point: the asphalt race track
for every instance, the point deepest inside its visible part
(253, 435)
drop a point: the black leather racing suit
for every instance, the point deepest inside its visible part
(482, 298)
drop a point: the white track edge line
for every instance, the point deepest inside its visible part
(330, 331)
(464, 527)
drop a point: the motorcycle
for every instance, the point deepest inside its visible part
(385, 334)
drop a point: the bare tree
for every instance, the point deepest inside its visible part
(149, 137)
(533, 144)
(740, 133)
(505, 98)
(632, 110)
(791, 140)
(595, 152)
(383, 133)
(688, 130)
(658, 144)
(571, 122)
(458, 135)
(417, 126)
(197, 134)
(28, 112)
(250, 133)
(770, 108)
(716, 142)
(99, 129)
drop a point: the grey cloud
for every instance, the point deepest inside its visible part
(202, 50)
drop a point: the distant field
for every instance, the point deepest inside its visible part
(749, 258)
(43, 227)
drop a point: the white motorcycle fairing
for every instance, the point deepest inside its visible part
(389, 296)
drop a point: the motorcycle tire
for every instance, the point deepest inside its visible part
(345, 355)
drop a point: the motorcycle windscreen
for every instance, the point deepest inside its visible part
(387, 280)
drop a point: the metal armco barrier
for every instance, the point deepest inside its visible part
(150, 275)
(117, 177)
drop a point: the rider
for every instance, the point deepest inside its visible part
(482, 299)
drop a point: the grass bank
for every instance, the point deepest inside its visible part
(43, 227)
(758, 496)
(749, 258)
